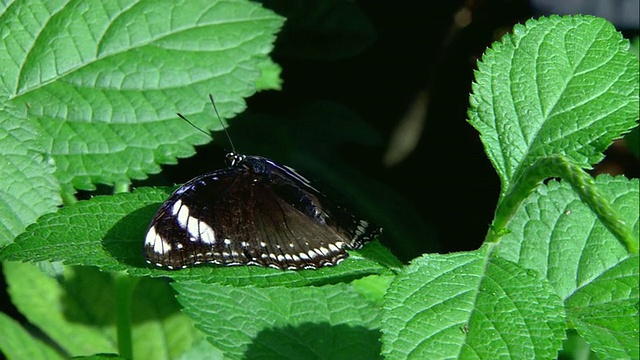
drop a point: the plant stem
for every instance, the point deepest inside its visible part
(124, 285)
(581, 182)
(121, 187)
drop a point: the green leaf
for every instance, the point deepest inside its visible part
(104, 82)
(635, 47)
(269, 76)
(18, 343)
(329, 322)
(78, 311)
(108, 232)
(605, 311)
(55, 311)
(160, 329)
(558, 85)
(28, 187)
(202, 350)
(100, 357)
(471, 305)
(373, 287)
(581, 183)
(557, 235)
(75, 233)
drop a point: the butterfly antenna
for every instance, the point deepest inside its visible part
(194, 125)
(219, 119)
(215, 108)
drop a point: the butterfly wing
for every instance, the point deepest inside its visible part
(256, 212)
(298, 192)
(187, 229)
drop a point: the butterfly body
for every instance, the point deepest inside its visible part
(254, 212)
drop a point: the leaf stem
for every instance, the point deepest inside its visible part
(581, 182)
(68, 198)
(121, 187)
(124, 285)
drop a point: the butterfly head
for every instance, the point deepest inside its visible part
(233, 158)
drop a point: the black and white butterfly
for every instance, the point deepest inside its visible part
(254, 212)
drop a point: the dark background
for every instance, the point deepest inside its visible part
(351, 71)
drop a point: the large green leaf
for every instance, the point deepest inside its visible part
(557, 235)
(471, 305)
(17, 343)
(74, 324)
(28, 187)
(78, 312)
(103, 82)
(605, 311)
(328, 322)
(558, 85)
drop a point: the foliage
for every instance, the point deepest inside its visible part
(90, 95)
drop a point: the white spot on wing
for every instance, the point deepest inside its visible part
(165, 245)
(198, 230)
(192, 225)
(182, 213)
(151, 237)
(160, 245)
(206, 232)
(176, 207)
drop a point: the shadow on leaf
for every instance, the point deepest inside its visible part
(316, 341)
(125, 239)
(89, 298)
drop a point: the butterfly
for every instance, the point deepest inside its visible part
(254, 212)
